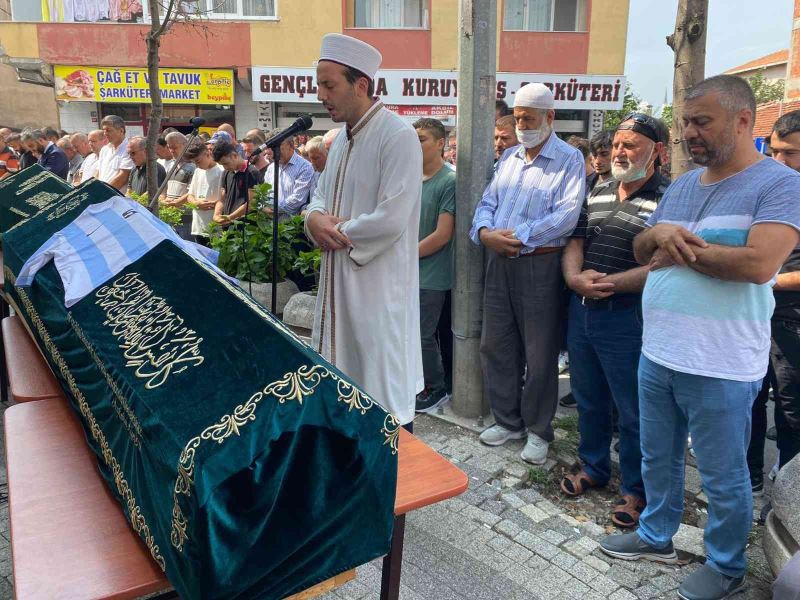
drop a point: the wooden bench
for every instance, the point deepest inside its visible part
(29, 376)
(70, 539)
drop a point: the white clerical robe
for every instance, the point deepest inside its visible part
(367, 314)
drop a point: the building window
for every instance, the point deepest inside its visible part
(224, 9)
(390, 14)
(241, 9)
(545, 15)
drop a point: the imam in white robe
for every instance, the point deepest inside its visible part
(367, 313)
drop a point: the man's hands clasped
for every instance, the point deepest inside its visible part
(501, 241)
(324, 229)
(676, 245)
(590, 284)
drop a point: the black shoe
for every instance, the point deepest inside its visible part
(772, 433)
(708, 584)
(568, 401)
(431, 401)
(758, 487)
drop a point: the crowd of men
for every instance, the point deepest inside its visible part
(662, 292)
(214, 174)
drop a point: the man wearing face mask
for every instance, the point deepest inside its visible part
(524, 219)
(605, 321)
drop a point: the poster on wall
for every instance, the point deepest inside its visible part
(131, 86)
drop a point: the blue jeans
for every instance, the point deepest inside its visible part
(604, 348)
(717, 412)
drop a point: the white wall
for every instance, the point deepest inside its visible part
(77, 116)
(246, 111)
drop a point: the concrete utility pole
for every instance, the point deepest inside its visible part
(689, 44)
(475, 133)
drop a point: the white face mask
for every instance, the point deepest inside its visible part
(530, 138)
(633, 172)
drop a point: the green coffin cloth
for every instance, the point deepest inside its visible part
(24, 194)
(248, 465)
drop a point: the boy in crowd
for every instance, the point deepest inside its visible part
(436, 226)
(238, 182)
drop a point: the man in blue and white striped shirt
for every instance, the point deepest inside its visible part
(295, 177)
(524, 219)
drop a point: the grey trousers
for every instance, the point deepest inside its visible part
(430, 310)
(522, 326)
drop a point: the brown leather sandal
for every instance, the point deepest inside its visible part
(575, 484)
(627, 511)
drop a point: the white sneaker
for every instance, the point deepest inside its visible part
(535, 450)
(497, 435)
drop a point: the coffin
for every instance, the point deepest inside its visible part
(248, 465)
(27, 192)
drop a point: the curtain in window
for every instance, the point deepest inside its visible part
(514, 18)
(222, 6)
(363, 13)
(412, 13)
(258, 8)
(539, 14)
(391, 13)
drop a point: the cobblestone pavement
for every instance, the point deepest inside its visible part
(510, 536)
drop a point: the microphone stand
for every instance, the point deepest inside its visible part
(276, 161)
(154, 201)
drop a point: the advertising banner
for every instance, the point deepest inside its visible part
(112, 84)
(440, 88)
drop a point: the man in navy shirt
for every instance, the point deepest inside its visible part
(51, 157)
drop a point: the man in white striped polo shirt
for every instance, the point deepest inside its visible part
(524, 219)
(604, 336)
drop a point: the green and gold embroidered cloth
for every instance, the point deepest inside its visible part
(248, 465)
(24, 194)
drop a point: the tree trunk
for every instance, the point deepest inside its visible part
(157, 28)
(689, 44)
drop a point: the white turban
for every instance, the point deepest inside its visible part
(351, 52)
(534, 95)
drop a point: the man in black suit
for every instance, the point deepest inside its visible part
(51, 157)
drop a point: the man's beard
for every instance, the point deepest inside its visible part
(718, 154)
(633, 172)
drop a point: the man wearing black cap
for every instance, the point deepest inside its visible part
(605, 320)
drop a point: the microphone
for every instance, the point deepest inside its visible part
(299, 125)
(197, 122)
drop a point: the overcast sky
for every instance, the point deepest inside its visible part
(738, 31)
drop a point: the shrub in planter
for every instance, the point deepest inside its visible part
(171, 215)
(245, 248)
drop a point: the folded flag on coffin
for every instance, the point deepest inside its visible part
(248, 465)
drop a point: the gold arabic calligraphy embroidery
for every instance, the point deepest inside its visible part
(154, 339)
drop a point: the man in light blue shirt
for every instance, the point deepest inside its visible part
(714, 245)
(295, 178)
(524, 219)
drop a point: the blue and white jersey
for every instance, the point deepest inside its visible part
(697, 324)
(103, 240)
(540, 199)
